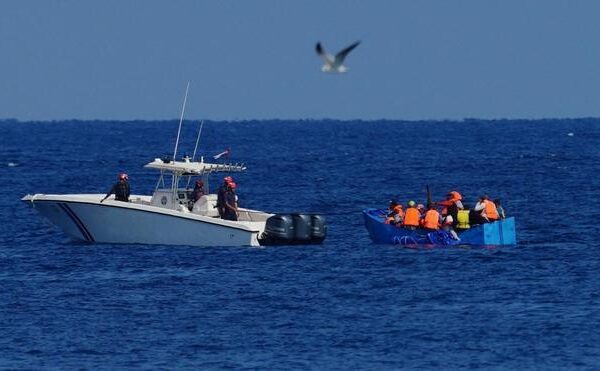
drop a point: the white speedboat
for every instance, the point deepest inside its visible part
(168, 217)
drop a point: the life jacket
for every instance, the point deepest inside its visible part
(411, 217)
(398, 210)
(463, 219)
(454, 199)
(456, 196)
(490, 210)
(432, 219)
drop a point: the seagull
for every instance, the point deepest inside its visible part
(335, 64)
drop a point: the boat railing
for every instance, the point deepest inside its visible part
(252, 216)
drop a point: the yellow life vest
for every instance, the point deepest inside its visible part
(463, 219)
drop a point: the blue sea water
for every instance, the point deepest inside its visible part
(346, 304)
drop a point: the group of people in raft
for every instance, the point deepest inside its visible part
(454, 215)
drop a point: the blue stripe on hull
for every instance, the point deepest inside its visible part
(71, 214)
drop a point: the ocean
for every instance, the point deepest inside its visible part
(345, 304)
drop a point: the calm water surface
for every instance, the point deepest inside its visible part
(345, 304)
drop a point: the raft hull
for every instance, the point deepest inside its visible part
(498, 233)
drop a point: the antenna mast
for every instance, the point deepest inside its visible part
(181, 120)
(197, 140)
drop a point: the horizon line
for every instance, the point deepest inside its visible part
(465, 119)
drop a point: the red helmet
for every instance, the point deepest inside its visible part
(228, 179)
(123, 176)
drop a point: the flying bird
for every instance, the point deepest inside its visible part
(335, 64)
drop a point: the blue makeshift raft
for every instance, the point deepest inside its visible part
(497, 233)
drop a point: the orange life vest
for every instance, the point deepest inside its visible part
(432, 219)
(398, 210)
(412, 216)
(490, 210)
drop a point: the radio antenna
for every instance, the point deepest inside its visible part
(198, 140)
(181, 120)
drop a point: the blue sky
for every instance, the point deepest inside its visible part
(255, 59)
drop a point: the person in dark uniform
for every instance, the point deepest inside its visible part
(230, 201)
(198, 190)
(120, 189)
(196, 194)
(221, 195)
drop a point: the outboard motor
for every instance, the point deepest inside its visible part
(294, 229)
(280, 227)
(319, 228)
(302, 226)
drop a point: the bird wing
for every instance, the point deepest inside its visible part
(321, 52)
(339, 57)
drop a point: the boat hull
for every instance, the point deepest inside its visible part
(88, 220)
(498, 233)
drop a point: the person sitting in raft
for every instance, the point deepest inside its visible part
(499, 208)
(421, 209)
(395, 213)
(412, 216)
(431, 221)
(447, 226)
(120, 189)
(452, 204)
(485, 211)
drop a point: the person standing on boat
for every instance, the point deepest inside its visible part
(120, 189)
(230, 211)
(198, 191)
(196, 194)
(221, 195)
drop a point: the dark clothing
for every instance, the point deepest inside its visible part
(121, 191)
(476, 218)
(228, 203)
(197, 193)
(221, 199)
(453, 210)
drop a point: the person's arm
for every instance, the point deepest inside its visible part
(112, 190)
(444, 203)
(479, 206)
(230, 202)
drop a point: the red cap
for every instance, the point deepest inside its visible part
(228, 179)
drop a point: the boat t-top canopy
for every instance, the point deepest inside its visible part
(187, 167)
